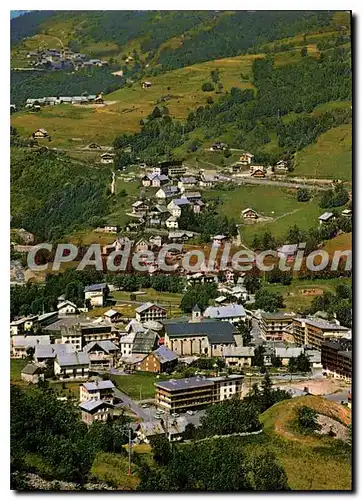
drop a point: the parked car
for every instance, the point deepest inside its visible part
(190, 412)
(175, 415)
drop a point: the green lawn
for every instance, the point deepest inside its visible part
(330, 157)
(294, 299)
(277, 203)
(137, 386)
(16, 365)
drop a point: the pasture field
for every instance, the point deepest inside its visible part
(330, 157)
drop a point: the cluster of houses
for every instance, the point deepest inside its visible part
(35, 104)
(62, 59)
(69, 346)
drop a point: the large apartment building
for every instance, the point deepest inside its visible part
(272, 325)
(336, 357)
(180, 395)
(314, 332)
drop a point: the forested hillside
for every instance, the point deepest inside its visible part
(250, 119)
(157, 41)
(51, 194)
(31, 84)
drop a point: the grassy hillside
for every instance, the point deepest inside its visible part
(330, 157)
(127, 106)
(278, 205)
(311, 462)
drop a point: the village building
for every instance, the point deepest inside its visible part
(67, 307)
(154, 180)
(238, 357)
(272, 325)
(80, 334)
(286, 353)
(73, 365)
(41, 133)
(199, 337)
(112, 316)
(233, 313)
(159, 361)
(313, 332)
(201, 278)
(172, 222)
(144, 342)
(326, 217)
(99, 390)
(257, 171)
(146, 85)
(192, 196)
(32, 374)
(21, 325)
(141, 246)
(167, 192)
(95, 411)
(156, 240)
(102, 354)
(21, 343)
(218, 146)
(96, 294)
(346, 213)
(219, 240)
(281, 166)
(48, 352)
(150, 311)
(186, 182)
(194, 393)
(139, 207)
(175, 206)
(107, 158)
(198, 206)
(249, 214)
(246, 159)
(336, 359)
(180, 236)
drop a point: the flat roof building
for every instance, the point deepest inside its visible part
(180, 395)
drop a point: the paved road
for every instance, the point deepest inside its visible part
(255, 333)
(142, 413)
(267, 182)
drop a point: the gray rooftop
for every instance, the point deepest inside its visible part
(164, 354)
(94, 405)
(146, 306)
(30, 340)
(73, 359)
(144, 342)
(218, 332)
(52, 350)
(104, 345)
(97, 287)
(99, 384)
(224, 312)
(193, 382)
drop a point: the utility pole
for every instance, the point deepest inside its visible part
(129, 450)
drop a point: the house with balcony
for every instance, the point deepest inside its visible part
(96, 411)
(99, 390)
(73, 365)
(150, 311)
(103, 354)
